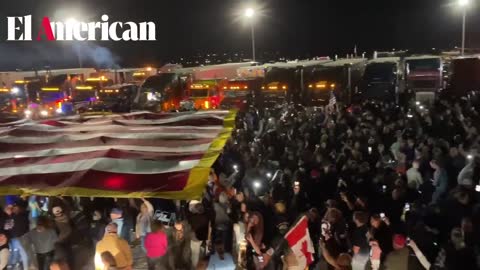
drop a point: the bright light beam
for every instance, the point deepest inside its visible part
(249, 12)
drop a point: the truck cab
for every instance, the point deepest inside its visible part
(52, 98)
(339, 77)
(116, 98)
(206, 94)
(9, 110)
(380, 80)
(21, 92)
(464, 77)
(5, 100)
(86, 92)
(161, 92)
(424, 77)
(277, 85)
(240, 92)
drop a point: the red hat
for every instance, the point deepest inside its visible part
(399, 240)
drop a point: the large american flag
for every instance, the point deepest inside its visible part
(165, 155)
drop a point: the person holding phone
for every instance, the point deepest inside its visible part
(382, 233)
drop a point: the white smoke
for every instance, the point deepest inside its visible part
(90, 52)
(37, 55)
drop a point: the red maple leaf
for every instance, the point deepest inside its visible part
(306, 253)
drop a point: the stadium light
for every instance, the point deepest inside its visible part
(463, 3)
(71, 21)
(249, 12)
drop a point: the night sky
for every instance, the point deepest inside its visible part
(294, 28)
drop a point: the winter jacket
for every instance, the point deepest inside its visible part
(118, 247)
(156, 244)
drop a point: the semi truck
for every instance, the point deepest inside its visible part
(85, 92)
(340, 77)
(175, 88)
(464, 77)
(240, 92)
(284, 81)
(423, 76)
(380, 80)
(206, 94)
(115, 98)
(54, 98)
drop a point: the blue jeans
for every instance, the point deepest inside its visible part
(16, 250)
(142, 243)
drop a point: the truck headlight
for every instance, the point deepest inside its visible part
(44, 113)
(15, 90)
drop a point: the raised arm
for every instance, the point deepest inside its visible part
(149, 206)
(421, 258)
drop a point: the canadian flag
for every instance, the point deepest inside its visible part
(300, 243)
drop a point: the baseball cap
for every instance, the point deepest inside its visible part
(116, 211)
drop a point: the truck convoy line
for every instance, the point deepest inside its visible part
(47, 93)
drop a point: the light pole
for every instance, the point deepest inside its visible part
(249, 13)
(463, 4)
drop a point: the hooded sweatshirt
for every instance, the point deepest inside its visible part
(156, 244)
(118, 247)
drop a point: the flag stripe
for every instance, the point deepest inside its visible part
(81, 137)
(166, 155)
(109, 153)
(65, 151)
(101, 141)
(30, 130)
(113, 165)
(172, 181)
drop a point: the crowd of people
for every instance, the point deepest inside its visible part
(383, 187)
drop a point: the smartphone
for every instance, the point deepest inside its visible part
(407, 207)
(382, 215)
(477, 188)
(296, 183)
(384, 188)
(369, 149)
(408, 240)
